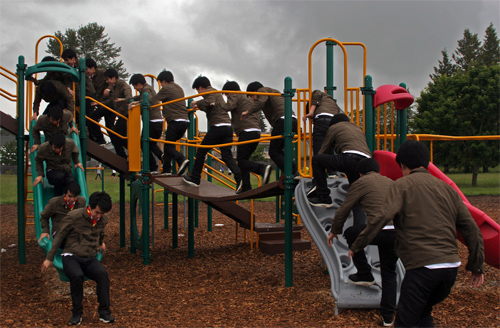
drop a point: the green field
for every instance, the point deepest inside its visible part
(488, 184)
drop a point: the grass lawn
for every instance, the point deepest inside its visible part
(487, 184)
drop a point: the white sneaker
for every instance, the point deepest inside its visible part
(267, 175)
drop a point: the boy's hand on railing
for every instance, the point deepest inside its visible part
(38, 179)
(44, 235)
(80, 166)
(34, 148)
(133, 104)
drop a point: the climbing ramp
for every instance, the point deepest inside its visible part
(317, 221)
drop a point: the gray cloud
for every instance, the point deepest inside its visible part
(257, 40)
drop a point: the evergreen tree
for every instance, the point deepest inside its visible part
(8, 153)
(490, 51)
(89, 41)
(465, 104)
(445, 68)
(467, 52)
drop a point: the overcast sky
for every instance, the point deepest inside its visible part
(255, 40)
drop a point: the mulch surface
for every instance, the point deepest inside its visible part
(226, 284)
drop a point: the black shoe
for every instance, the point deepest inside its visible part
(183, 166)
(363, 280)
(267, 175)
(296, 176)
(75, 319)
(388, 321)
(107, 318)
(190, 180)
(239, 186)
(321, 202)
(311, 192)
(242, 191)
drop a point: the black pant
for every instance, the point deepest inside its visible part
(119, 143)
(57, 102)
(423, 288)
(385, 241)
(342, 162)
(76, 269)
(155, 130)
(276, 146)
(175, 131)
(217, 135)
(60, 180)
(243, 157)
(95, 133)
(321, 125)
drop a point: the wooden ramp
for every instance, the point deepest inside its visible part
(8, 123)
(209, 192)
(221, 198)
(107, 157)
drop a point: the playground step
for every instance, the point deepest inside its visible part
(273, 247)
(277, 235)
(234, 211)
(268, 227)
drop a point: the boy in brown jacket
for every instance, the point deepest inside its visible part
(82, 232)
(427, 214)
(119, 93)
(57, 153)
(155, 119)
(321, 111)
(220, 132)
(56, 120)
(58, 207)
(248, 129)
(176, 116)
(273, 108)
(349, 143)
(98, 80)
(370, 191)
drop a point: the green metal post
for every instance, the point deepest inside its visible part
(191, 205)
(133, 245)
(278, 198)
(83, 133)
(175, 222)
(369, 113)
(329, 68)
(289, 183)
(122, 210)
(165, 209)
(191, 227)
(145, 178)
(209, 179)
(21, 224)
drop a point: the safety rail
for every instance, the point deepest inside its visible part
(387, 124)
(12, 77)
(435, 137)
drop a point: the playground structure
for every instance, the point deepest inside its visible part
(362, 104)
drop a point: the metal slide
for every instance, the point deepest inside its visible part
(318, 222)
